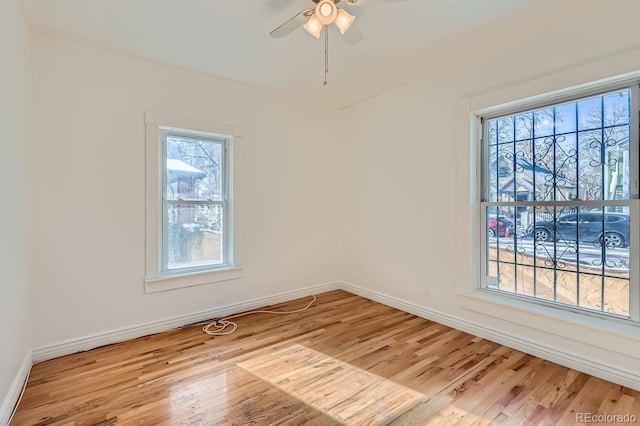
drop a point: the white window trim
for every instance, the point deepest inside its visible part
(155, 280)
(585, 80)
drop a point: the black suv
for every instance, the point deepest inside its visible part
(587, 226)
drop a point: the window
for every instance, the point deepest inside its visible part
(559, 202)
(194, 201)
(189, 204)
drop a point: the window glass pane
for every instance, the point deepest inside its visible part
(565, 118)
(524, 181)
(616, 108)
(501, 229)
(505, 129)
(194, 235)
(492, 133)
(506, 280)
(590, 113)
(617, 164)
(617, 240)
(590, 165)
(566, 286)
(545, 283)
(492, 275)
(504, 170)
(542, 176)
(616, 296)
(524, 126)
(525, 276)
(194, 169)
(492, 173)
(566, 163)
(543, 120)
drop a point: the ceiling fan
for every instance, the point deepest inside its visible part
(325, 13)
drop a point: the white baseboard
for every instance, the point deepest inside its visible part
(120, 335)
(554, 354)
(15, 391)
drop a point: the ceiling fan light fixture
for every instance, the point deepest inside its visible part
(344, 20)
(313, 26)
(326, 12)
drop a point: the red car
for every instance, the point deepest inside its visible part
(499, 226)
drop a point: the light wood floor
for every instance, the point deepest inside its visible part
(346, 360)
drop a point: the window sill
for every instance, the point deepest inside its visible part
(173, 282)
(533, 315)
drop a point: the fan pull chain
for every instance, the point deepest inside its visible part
(326, 54)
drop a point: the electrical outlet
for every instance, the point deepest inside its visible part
(426, 290)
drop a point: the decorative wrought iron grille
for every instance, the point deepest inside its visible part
(558, 197)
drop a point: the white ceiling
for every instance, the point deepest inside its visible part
(230, 38)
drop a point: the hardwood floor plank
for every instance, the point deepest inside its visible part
(346, 360)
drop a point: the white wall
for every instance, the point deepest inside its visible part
(401, 193)
(88, 165)
(14, 326)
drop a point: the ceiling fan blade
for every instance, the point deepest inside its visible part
(353, 36)
(297, 21)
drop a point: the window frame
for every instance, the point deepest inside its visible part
(227, 257)
(479, 138)
(158, 277)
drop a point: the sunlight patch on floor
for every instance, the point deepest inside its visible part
(344, 392)
(186, 395)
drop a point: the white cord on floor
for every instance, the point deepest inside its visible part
(223, 323)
